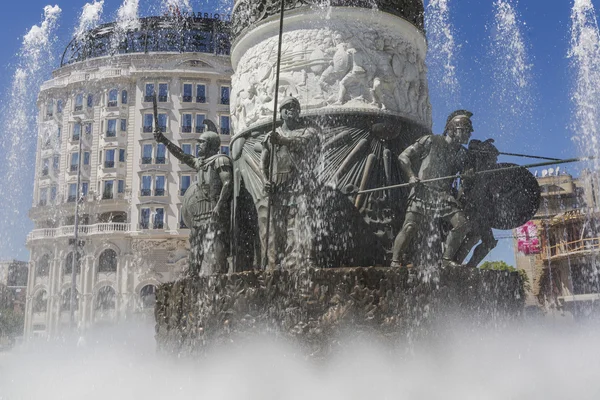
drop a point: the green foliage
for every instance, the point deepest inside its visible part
(11, 320)
(502, 266)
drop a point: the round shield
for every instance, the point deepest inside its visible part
(516, 196)
(190, 207)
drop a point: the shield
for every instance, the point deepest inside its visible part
(190, 208)
(516, 196)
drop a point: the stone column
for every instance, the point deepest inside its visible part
(53, 308)
(358, 71)
(29, 299)
(86, 295)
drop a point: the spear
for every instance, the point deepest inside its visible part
(488, 171)
(272, 154)
(155, 105)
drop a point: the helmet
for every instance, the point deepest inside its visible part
(289, 100)
(459, 119)
(213, 142)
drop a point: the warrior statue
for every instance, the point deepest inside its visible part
(435, 156)
(206, 208)
(288, 181)
(478, 199)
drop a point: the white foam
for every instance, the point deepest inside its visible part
(90, 16)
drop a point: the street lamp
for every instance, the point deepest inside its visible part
(75, 258)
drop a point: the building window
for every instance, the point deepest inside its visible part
(162, 122)
(200, 123)
(56, 163)
(69, 264)
(224, 95)
(111, 130)
(53, 192)
(186, 123)
(40, 301)
(149, 92)
(159, 218)
(43, 266)
(43, 197)
(159, 186)
(74, 161)
(76, 132)
(49, 108)
(45, 166)
(109, 158)
(84, 188)
(224, 122)
(90, 101)
(225, 150)
(187, 93)
(163, 92)
(197, 153)
(88, 128)
(59, 107)
(105, 299)
(147, 154)
(184, 184)
(72, 193)
(124, 97)
(148, 296)
(200, 94)
(113, 98)
(86, 158)
(123, 124)
(107, 193)
(65, 304)
(107, 262)
(161, 151)
(148, 121)
(79, 102)
(187, 148)
(121, 186)
(182, 224)
(58, 133)
(121, 155)
(146, 189)
(144, 218)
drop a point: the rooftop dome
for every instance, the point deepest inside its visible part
(151, 34)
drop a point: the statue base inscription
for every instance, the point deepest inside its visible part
(314, 307)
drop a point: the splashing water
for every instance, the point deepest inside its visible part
(90, 16)
(127, 15)
(442, 47)
(585, 55)
(180, 5)
(19, 113)
(511, 67)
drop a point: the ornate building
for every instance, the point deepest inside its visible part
(96, 121)
(559, 249)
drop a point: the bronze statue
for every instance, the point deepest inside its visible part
(477, 199)
(435, 156)
(206, 208)
(287, 181)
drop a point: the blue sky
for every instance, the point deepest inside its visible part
(544, 128)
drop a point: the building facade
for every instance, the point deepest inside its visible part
(559, 248)
(96, 121)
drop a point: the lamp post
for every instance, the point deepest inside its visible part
(75, 258)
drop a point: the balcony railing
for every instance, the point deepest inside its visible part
(149, 99)
(158, 225)
(163, 98)
(160, 160)
(200, 99)
(225, 131)
(144, 224)
(109, 164)
(187, 99)
(145, 192)
(147, 129)
(74, 167)
(111, 133)
(577, 246)
(159, 192)
(186, 129)
(78, 108)
(200, 129)
(84, 230)
(225, 100)
(146, 160)
(107, 195)
(112, 103)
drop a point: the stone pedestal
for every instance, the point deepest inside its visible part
(314, 307)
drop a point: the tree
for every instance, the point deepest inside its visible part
(502, 266)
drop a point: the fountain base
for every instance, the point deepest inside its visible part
(315, 307)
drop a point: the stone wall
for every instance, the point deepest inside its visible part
(315, 306)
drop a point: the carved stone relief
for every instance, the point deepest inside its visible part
(345, 67)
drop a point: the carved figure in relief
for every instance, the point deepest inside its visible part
(384, 80)
(356, 82)
(288, 181)
(206, 208)
(409, 84)
(435, 156)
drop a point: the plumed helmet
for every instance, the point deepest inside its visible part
(289, 100)
(213, 141)
(485, 148)
(459, 118)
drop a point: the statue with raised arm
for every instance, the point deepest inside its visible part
(206, 207)
(287, 161)
(435, 156)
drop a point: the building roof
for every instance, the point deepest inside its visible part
(151, 34)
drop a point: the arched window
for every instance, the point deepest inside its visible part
(40, 301)
(69, 264)
(124, 97)
(43, 266)
(65, 304)
(148, 296)
(107, 262)
(113, 97)
(105, 299)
